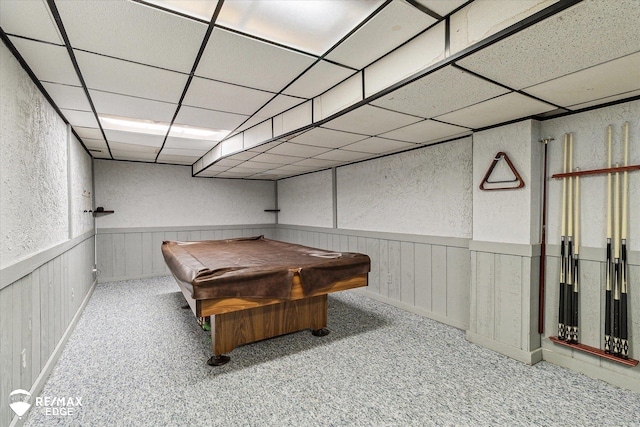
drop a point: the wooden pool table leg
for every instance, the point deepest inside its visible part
(218, 360)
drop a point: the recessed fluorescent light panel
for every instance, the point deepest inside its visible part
(192, 132)
(312, 26)
(149, 127)
(127, 124)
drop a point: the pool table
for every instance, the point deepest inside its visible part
(256, 288)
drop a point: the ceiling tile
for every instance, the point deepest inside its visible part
(68, 97)
(425, 132)
(292, 169)
(48, 62)
(94, 144)
(479, 20)
(187, 152)
(277, 105)
(229, 162)
(251, 122)
(127, 78)
(176, 160)
(275, 159)
(80, 118)
(343, 155)
(370, 120)
(391, 27)
(88, 132)
(225, 97)
(213, 170)
(129, 106)
(201, 9)
(30, 19)
(318, 163)
(244, 155)
(134, 138)
(229, 174)
(416, 55)
(601, 81)
(562, 44)
(210, 119)
(191, 144)
(258, 165)
(321, 77)
(244, 170)
(133, 155)
(503, 108)
(442, 7)
(133, 32)
(322, 137)
(626, 95)
(298, 150)
(442, 91)
(123, 146)
(265, 147)
(375, 145)
(101, 155)
(269, 175)
(227, 54)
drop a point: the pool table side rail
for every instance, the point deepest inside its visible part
(209, 307)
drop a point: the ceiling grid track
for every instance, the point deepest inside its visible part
(449, 60)
(72, 57)
(259, 90)
(207, 35)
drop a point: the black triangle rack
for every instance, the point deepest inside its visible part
(517, 178)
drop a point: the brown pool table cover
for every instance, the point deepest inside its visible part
(256, 267)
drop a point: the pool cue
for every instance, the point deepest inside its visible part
(568, 297)
(616, 265)
(563, 257)
(624, 342)
(576, 270)
(609, 266)
(543, 242)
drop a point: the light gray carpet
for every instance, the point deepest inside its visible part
(137, 359)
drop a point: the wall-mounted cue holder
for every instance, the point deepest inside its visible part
(616, 343)
(595, 351)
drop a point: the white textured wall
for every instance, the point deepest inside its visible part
(590, 152)
(33, 167)
(425, 191)
(507, 216)
(80, 178)
(306, 200)
(152, 195)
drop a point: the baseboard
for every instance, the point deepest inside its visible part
(138, 276)
(40, 382)
(618, 379)
(412, 309)
(528, 357)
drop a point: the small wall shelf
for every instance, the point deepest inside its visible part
(102, 213)
(597, 171)
(595, 351)
(272, 210)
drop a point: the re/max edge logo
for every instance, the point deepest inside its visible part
(59, 405)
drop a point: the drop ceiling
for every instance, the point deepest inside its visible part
(273, 89)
